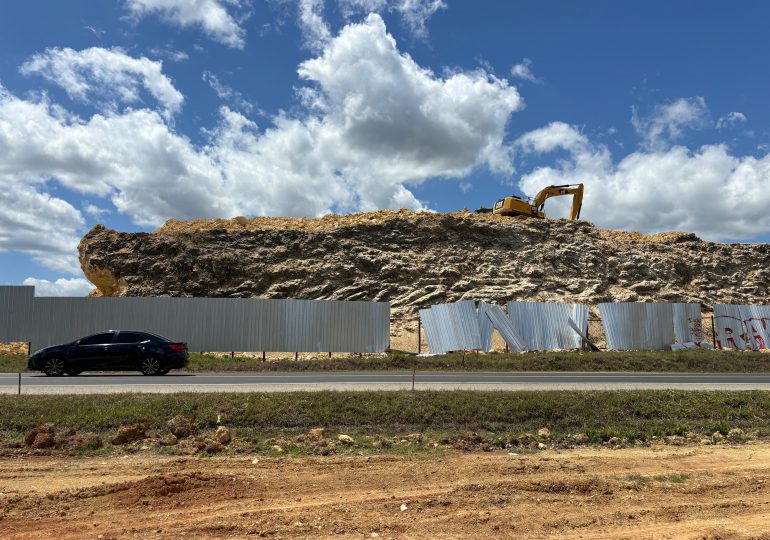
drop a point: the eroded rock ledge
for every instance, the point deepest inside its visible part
(417, 259)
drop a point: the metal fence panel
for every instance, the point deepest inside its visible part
(215, 324)
(756, 320)
(485, 327)
(16, 313)
(430, 324)
(728, 327)
(633, 325)
(503, 325)
(580, 314)
(543, 326)
(452, 327)
(688, 326)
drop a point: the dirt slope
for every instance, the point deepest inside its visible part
(689, 492)
(418, 259)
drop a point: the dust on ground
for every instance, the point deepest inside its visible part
(660, 492)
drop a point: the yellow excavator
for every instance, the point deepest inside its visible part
(517, 206)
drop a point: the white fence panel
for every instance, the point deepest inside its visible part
(503, 325)
(728, 327)
(756, 320)
(688, 326)
(543, 326)
(637, 326)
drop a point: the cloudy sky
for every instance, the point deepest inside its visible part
(130, 112)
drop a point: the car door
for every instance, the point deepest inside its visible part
(128, 349)
(90, 352)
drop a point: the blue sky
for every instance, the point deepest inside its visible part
(135, 111)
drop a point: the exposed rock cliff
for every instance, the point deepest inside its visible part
(417, 259)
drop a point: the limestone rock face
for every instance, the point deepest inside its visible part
(418, 259)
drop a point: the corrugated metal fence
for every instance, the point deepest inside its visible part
(205, 324)
(739, 327)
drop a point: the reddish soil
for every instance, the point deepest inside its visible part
(660, 492)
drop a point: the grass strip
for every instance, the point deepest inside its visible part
(688, 361)
(631, 415)
(693, 361)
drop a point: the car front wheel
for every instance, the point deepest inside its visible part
(150, 366)
(54, 367)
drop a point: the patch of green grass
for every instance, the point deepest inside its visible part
(638, 478)
(675, 478)
(628, 415)
(696, 361)
(12, 363)
(692, 361)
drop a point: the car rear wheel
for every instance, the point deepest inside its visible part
(150, 366)
(54, 367)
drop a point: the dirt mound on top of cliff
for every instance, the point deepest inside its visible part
(325, 223)
(331, 222)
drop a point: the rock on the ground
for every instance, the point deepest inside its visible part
(346, 439)
(130, 433)
(580, 438)
(43, 440)
(545, 433)
(317, 433)
(31, 436)
(169, 439)
(182, 426)
(223, 435)
(212, 446)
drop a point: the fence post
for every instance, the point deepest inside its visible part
(713, 333)
(263, 356)
(330, 354)
(19, 392)
(419, 335)
(296, 356)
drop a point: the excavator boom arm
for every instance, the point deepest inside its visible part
(576, 190)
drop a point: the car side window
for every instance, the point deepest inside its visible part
(97, 339)
(131, 337)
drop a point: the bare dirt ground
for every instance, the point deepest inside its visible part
(658, 492)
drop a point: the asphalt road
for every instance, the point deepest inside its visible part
(427, 380)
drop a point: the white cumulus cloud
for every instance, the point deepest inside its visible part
(380, 124)
(60, 287)
(707, 191)
(523, 70)
(668, 121)
(210, 15)
(108, 76)
(415, 14)
(315, 29)
(731, 119)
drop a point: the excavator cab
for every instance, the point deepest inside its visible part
(516, 206)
